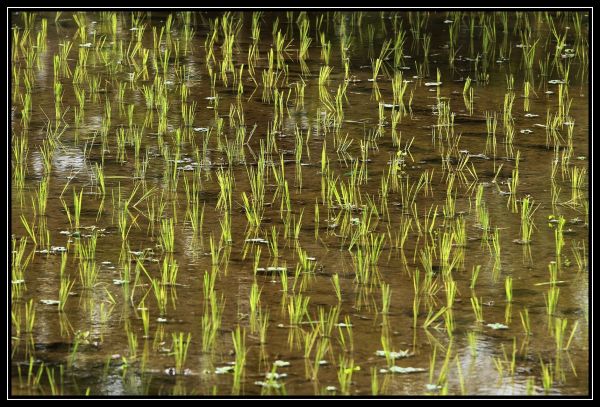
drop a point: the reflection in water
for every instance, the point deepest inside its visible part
(429, 172)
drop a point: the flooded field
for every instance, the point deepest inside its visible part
(299, 203)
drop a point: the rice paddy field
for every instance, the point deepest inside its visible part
(299, 203)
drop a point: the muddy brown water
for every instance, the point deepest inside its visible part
(101, 316)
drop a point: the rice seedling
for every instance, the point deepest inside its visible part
(477, 308)
(77, 201)
(374, 382)
(508, 288)
(560, 328)
(263, 325)
(526, 322)
(474, 274)
(225, 180)
(169, 271)
(551, 300)
(386, 297)
(100, 178)
(432, 317)
(310, 339)
(20, 152)
(54, 389)
(132, 343)
(527, 210)
(578, 177)
(446, 263)
(325, 49)
(167, 235)
(298, 309)
(451, 289)
(253, 212)
(30, 228)
(449, 322)
(42, 196)
(66, 285)
(547, 374)
(225, 224)
(346, 335)
(322, 346)
(553, 272)
(403, 233)
(442, 380)
(239, 345)
(363, 268)
(211, 322)
(305, 40)
(160, 293)
(254, 301)
(18, 261)
(383, 55)
(450, 204)
(88, 273)
(345, 370)
(180, 350)
(30, 309)
(327, 322)
(86, 249)
(579, 254)
(335, 280)
(559, 240)
(214, 251)
(33, 379)
(416, 298)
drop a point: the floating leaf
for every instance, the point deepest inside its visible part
(271, 269)
(50, 302)
(394, 355)
(497, 325)
(402, 370)
(275, 375)
(224, 369)
(256, 240)
(273, 385)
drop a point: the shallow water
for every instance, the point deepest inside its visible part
(86, 345)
